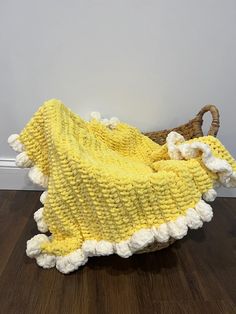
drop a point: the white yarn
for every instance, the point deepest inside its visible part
(171, 140)
(64, 266)
(43, 197)
(89, 247)
(111, 123)
(46, 260)
(114, 122)
(190, 150)
(186, 151)
(41, 224)
(104, 248)
(33, 248)
(161, 233)
(13, 141)
(106, 122)
(178, 228)
(38, 177)
(123, 250)
(210, 195)
(23, 161)
(95, 115)
(71, 262)
(193, 219)
(141, 238)
(204, 210)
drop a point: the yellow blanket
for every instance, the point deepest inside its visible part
(111, 189)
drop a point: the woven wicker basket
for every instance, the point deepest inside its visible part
(190, 130)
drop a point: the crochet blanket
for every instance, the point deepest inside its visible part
(110, 189)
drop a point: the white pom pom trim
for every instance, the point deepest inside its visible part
(13, 141)
(33, 248)
(22, 160)
(46, 260)
(104, 248)
(111, 123)
(106, 122)
(179, 150)
(38, 177)
(141, 239)
(177, 229)
(161, 233)
(41, 224)
(95, 115)
(43, 197)
(204, 210)
(89, 247)
(210, 195)
(68, 263)
(193, 220)
(123, 249)
(114, 121)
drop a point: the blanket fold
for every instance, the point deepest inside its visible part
(112, 189)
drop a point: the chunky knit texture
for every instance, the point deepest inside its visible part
(110, 189)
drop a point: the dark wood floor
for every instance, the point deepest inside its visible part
(195, 275)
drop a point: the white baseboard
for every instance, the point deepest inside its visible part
(223, 192)
(14, 178)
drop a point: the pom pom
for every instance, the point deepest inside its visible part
(172, 139)
(43, 197)
(34, 245)
(114, 122)
(161, 233)
(95, 115)
(38, 217)
(46, 260)
(123, 249)
(193, 219)
(104, 248)
(204, 210)
(23, 161)
(106, 122)
(38, 177)
(89, 247)
(13, 141)
(68, 263)
(210, 195)
(141, 238)
(178, 228)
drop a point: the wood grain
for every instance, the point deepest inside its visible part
(195, 275)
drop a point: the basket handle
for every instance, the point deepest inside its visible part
(215, 124)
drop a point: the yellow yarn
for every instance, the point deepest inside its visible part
(106, 184)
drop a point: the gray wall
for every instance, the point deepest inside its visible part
(151, 63)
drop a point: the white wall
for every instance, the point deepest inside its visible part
(151, 63)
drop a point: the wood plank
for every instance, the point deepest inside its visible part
(195, 275)
(15, 210)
